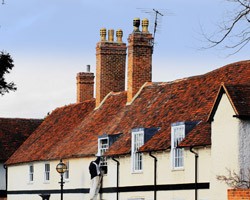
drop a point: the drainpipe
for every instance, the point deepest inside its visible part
(155, 173)
(196, 172)
(117, 177)
(6, 176)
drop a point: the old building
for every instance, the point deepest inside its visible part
(13, 132)
(158, 140)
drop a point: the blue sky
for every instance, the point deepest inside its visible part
(51, 41)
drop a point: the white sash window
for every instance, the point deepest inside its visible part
(177, 135)
(47, 172)
(66, 173)
(31, 173)
(137, 142)
(103, 146)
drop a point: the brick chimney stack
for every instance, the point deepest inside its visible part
(139, 58)
(85, 85)
(110, 64)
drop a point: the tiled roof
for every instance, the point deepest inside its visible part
(199, 136)
(239, 97)
(13, 132)
(72, 131)
(48, 140)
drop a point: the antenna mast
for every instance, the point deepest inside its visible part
(156, 23)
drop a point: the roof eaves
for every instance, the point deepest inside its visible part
(216, 103)
(230, 99)
(154, 150)
(242, 116)
(222, 90)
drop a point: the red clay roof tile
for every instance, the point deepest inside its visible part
(13, 132)
(72, 131)
(239, 97)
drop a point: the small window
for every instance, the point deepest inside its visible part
(47, 172)
(137, 142)
(177, 135)
(103, 146)
(31, 173)
(66, 173)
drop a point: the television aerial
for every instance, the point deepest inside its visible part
(156, 16)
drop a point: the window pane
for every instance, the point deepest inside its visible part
(47, 172)
(137, 142)
(103, 147)
(177, 135)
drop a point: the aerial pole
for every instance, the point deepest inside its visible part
(156, 23)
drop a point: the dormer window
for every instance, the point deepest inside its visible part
(137, 142)
(104, 142)
(177, 135)
(103, 146)
(178, 132)
(139, 137)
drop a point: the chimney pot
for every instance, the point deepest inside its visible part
(119, 35)
(111, 35)
(145, 24)
(88, 68)
(136, 23)
(103, 34)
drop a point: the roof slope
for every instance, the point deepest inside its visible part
(157, 105)
(239, 97)
(47, 141)
(13, 132)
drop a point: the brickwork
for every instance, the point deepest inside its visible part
(139, 61)
(85, 86)
(238, 194)
(110, 68)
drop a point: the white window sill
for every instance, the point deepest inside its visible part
(46, 182)
(66, 180)
(137, 172)
(178, 169)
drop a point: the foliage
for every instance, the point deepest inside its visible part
(6, 64)
(236, 180)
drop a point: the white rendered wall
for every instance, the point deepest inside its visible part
(80, 178)
(165, 175)
(18, 179)
(225, 147)
(2, 177)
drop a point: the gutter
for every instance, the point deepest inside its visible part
(196, 172)
(6, 176)
(242, 116)
(117, 177)
(155, 174)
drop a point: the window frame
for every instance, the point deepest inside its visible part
(102, 149)
(136, 142)
(66, 173)
(177, 154)
(46, 173)
(31, 173)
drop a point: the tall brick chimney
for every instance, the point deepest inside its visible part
(139, 58)
(110, 64)
(85, 85)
